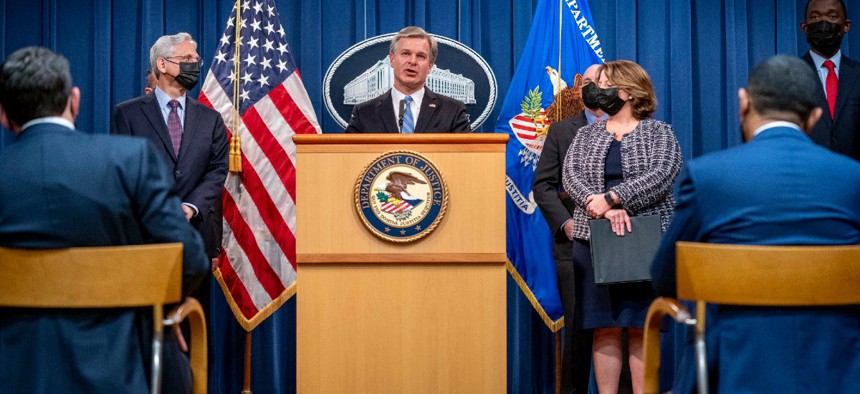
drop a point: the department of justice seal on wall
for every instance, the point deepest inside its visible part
(401, 196)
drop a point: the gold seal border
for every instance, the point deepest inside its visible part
(422, 233)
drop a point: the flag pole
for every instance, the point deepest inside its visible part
(235, 143)
(236, 165)
(246, 386)
(559, 79)
(558, 348)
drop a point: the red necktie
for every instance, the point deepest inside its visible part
(830, 85)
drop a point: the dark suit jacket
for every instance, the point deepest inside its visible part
(547, 185)
(200, 169)
(65, 188)
(439, 114)
(779, 189)
(842, 133)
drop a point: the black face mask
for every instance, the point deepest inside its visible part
(609, 101)
(590, 95)
(189, 74)
(824, 37)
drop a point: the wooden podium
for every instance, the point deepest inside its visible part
(375, 316)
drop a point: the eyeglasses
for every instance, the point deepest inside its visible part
(185, 59)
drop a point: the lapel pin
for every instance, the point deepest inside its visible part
(432, 105)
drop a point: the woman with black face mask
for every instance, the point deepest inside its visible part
(616, 168)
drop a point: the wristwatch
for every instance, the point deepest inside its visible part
(608, 197)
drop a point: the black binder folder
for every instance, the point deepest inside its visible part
(628, 258)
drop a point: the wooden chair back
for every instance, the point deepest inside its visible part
(751, 275)
(768, 275)
(91, 277)
(97, 277)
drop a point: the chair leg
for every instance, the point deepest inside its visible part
(701, 355)
(157, 338)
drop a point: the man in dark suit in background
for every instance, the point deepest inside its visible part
(410, 107)
(64, 188)
(150, 81)
(838, 94)
(557, 207)
(191, 137)
(777, 189)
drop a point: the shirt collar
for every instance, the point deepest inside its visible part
(417, 96)
(163, 98)
(818, 60)
(591, 117)
(775, 124)
(57, 120)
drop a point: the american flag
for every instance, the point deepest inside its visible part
(257, 268)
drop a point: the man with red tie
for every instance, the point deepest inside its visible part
(825, 24)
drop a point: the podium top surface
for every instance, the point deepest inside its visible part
(386, 138)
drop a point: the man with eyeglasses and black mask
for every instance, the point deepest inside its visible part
(191, 138)
(825, 23)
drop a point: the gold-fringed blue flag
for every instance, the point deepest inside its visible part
(561, 43)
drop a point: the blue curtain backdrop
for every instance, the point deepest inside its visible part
(698, 53)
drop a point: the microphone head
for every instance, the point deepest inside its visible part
(400, 115)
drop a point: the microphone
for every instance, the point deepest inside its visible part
(400, 116)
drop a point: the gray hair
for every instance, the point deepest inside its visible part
(415, 32)
(165, 46)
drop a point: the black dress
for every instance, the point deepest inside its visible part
(615, 305)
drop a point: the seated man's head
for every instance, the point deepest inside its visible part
(779, 88)
(34, 83)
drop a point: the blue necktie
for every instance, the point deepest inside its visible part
(408, 126)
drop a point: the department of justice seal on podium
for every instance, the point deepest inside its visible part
(401, 196)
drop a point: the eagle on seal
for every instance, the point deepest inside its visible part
(397, 183)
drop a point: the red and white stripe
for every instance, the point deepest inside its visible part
(524, 127)
(258, 262)
(391, 208)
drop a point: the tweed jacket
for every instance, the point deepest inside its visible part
(650, 162)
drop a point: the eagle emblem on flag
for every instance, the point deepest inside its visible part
(531, 125)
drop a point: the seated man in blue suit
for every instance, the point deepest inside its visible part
(780, 188)
(64, 188)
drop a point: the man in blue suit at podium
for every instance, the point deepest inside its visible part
(779, 188)
(64, 188)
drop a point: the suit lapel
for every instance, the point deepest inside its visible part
(429, 105)
(152, 112)
(386, 115)
(820, 97)
(189, 130)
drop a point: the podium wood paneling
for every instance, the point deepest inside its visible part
(381, 317)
